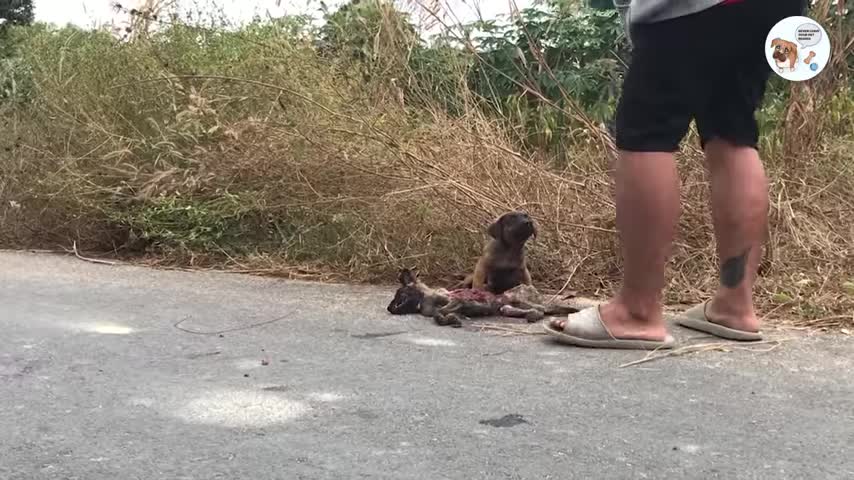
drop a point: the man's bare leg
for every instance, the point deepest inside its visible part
(740, 213)
(647, 214)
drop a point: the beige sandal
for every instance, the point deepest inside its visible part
(695, 319)
(585, 329)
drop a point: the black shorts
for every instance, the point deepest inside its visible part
(709, 67)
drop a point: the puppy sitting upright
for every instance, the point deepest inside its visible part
(502, 265)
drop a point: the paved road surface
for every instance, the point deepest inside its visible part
(97, 383)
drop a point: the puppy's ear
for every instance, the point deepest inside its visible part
(406, 277)
(496, 230)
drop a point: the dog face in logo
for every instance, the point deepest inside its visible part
(785, 54)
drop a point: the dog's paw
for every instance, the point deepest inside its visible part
(508, 310)
(454, 320)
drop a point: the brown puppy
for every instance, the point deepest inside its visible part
(502, 265)
(785, 54)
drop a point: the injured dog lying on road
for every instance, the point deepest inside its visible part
(452, 307)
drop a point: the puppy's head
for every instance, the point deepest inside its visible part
(783, 50)
(407, 299)
(513, 228)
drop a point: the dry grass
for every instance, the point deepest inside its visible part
(505, 329)
(299, 169)
(763, 347)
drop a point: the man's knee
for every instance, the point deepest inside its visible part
(722, 154)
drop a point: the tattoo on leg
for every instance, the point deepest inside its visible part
(733, 269)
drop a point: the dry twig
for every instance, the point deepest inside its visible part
(87, 259)
(705, 347)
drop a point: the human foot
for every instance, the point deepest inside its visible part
(589, 328)
(721, 312)
(620, 323)
(713, 317)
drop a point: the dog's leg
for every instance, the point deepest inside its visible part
(449, 316)
(526, 276)
(559, 308)
(529, 314)
(464, 283)
(454, 320)
(478, 281)
(524, 302)
(478, 309)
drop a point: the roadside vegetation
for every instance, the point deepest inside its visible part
(351, 148)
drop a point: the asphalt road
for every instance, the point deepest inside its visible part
(96, 382)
